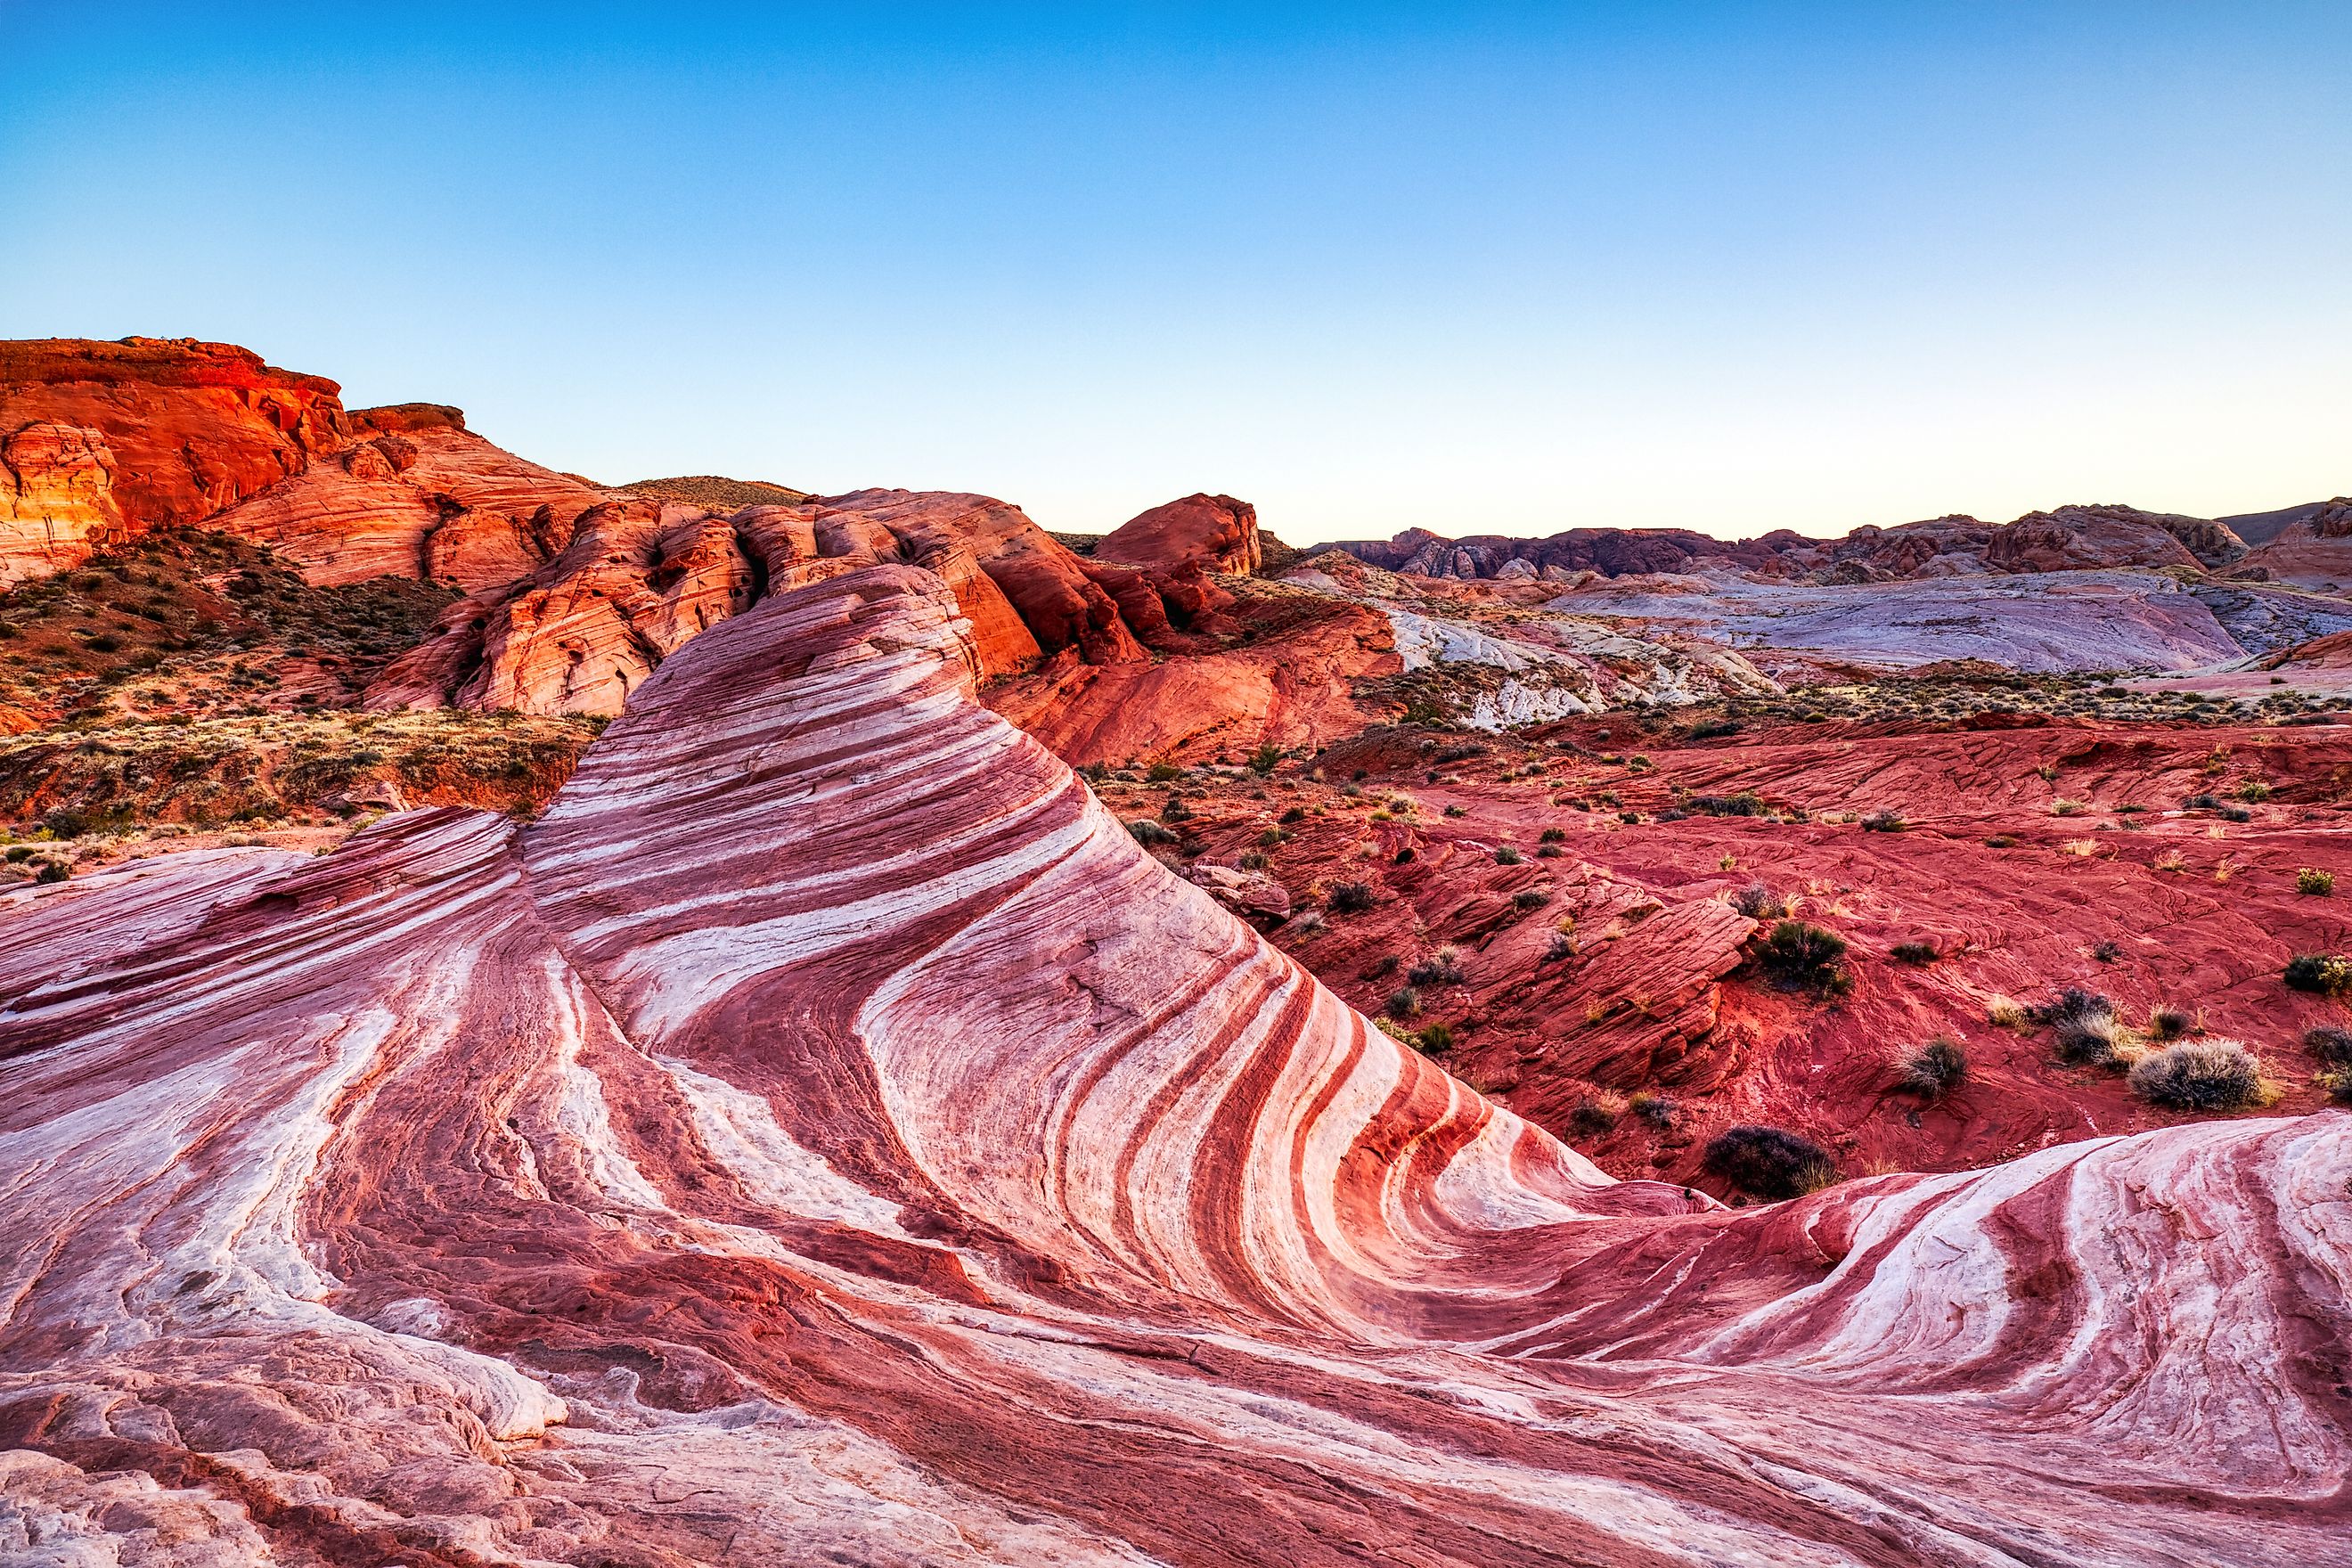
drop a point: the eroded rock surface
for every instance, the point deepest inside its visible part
(825, 1135)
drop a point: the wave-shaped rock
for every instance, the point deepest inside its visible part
(825, 1135)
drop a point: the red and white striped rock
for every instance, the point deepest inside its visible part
(825, 1136)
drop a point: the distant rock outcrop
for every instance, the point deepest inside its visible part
(1215, 533)
(101, 441)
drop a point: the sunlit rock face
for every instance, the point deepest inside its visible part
(825, 1136)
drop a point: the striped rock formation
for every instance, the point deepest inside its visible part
(824, 1136)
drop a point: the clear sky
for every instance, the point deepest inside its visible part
(1474, 268)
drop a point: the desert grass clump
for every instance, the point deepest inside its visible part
(1798, 955)
(2167, 1023)
(1350, 897)
(1887, 820)
(2210, 1074)
(2322, 974)
(1404, 1002)
(1758, 901)
(1443, 967)
(1148, 832)
(2254, 791)
(1657, 1109)
(1434, 1039)
(2317, 884)
(1934, 1069)
(1596, 1115)
(1914, 952)
(1506, 856)
(2333, 1046)
(2007, 1013)
(1769, 1161)
(2088, 1034)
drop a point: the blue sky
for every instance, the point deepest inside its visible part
(1473, 268)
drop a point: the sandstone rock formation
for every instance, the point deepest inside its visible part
(101, 441)
(826, 1136)
(1215, 533)
(2312, 552)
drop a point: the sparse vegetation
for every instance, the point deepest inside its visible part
(1148, 832)
(2210, 1074)
(1920, 952)
(1759, 901)
(1798, 955)
(2332, 1046)
(1266, 759)
(1657, 1109)
(1935, 1069)
(2325, 974)
(1443, 967)
(1596, 1115)
(2086, 1026)
(1769, 1161)
(1404, 1002)
(1350, 897)
(1435, 1038)
(2314, 882)
(1884, 820)
(2166, 1022)
(1741, 805)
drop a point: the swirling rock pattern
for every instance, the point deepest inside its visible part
(824, 1136)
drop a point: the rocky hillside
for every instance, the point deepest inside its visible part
(826, 1135)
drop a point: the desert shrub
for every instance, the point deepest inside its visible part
(2007, 1013)
(2066, 808)
(1350, 897)
(1148, 832)
(2317, 883)
(2234, 814)
(2326, 974)
(1255, 860)
(1885, 820)
(2336, 1083)
(2333, 1046)
(1629, 817)
(1530, 899)
(1262, 760)
(1657, 1109)
(1758, 901)
(1769, 1163)
(1596, 1115)
(1714, 729)
(2107, 951)
(1443, 967)
(1796, 953)
(1404, 1002)
(2086, 1026)
(2254, 791)
(19, 853)
(1741, 805)
(1175, 810)
(2199, 1074)
(1914, 952)
(1506, 856)
(1457, 811)
(1561, 945)
(2000, 841)
(2201, 802)
(1160, 773)
(1436, 1038)
(1292, 814)
(51, 871)
(1554, 836)
(2167, 1023)
(1940, 1065)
